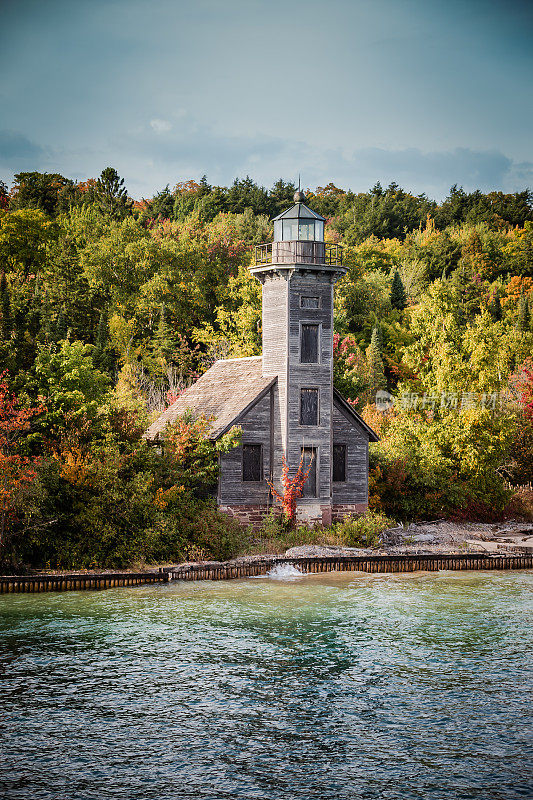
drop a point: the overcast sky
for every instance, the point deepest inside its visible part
(425, 92)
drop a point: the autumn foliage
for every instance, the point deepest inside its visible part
(17, 472)
(292, 487)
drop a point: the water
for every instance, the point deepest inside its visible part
(331, 687)
(285, 572)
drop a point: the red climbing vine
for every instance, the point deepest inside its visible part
(292, 487)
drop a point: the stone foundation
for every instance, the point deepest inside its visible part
(307, 514)
(341, 510)
(247, 515)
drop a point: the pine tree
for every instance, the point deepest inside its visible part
(19, 342)
(61, 326)
(496, 308)
(45, 329)
(375, 364)
(398, 295)
(523, 314)
(100, 359)
(5, 301)
(112, 194)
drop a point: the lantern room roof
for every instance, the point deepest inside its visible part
(299, 211)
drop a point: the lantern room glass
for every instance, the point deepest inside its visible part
(299, 230)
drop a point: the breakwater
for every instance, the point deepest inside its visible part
(378, 563)
(215, 571)
(77, 581)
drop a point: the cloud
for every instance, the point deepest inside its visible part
(433, 172)
(190, 150)
(166, 151)
(17, 151)
(160, 125)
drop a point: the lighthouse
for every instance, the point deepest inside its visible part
(284, 400)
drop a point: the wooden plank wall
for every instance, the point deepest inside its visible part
(275, 332)
(255, 430)
(301, 376)
(355, 489)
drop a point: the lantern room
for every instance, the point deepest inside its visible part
(299, 223)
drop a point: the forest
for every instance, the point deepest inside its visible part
(110, 307)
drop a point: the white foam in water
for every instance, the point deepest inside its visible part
(285, 572)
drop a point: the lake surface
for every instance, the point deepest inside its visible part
(327, 686)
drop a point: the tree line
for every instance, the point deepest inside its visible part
(109, 307)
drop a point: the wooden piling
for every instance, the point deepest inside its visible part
(372, 564)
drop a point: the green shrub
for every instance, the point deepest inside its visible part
(361, 531)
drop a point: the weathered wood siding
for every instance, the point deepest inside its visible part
(355, 488)
(310, 376)
(255, 430)
(275, 334)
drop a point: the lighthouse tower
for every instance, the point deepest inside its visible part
(298, 271)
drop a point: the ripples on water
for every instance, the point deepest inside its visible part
(332, 687)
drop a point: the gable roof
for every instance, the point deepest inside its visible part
(352, 414)
(228, 388)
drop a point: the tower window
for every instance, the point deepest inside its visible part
(252, 462)
(339, 463)
(309, 302)
(309, 458)
(308, 406)
(309, 344)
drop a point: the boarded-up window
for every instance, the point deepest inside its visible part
(339, 463)
(309, 344)
(309, 407)
(309, 302)
(309, 458)
(251, 462)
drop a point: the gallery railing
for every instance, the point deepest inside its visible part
(320, 253)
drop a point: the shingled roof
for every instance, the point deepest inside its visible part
(224, 392)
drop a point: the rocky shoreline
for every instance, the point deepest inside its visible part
(437, 537)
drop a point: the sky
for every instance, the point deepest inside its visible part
(427, 93)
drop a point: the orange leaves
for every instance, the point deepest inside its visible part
(292, 487)
(517, 287)
(165, 497)
(189, 187)
(14, 418)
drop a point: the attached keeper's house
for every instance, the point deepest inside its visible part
(284, 400)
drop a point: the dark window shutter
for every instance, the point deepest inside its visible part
(251, 462)
(339, 463)
(309, 302)
(309, 344)
(309, 407)
(309, 489)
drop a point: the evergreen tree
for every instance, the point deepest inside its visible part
(45, 328)
(19, 342)
(523, 314)
(163, 341)
(100, 355)
(112, 194)
(398, 295)
(6, 308)
(162, 204)
(375, 364)
(495, 308)
(61, 326)
(281, 196)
